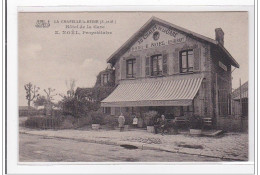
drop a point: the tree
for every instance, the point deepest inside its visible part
(40, 101)
(49, 98)
(31, 93)
(49, 95)
(71, 88)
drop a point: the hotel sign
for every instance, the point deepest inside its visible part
(158, 36)
(223, 66)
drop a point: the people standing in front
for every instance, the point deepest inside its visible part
(163, 124)
(121, 122)
(160, 123)
(135, 121)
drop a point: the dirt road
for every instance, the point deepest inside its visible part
(34, 148)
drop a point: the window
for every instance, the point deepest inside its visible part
(186, 61)
(106, 110)
(156, 65)
(130, 68)
(105, 78)
(188, 108)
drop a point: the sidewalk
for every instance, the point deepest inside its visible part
(232, 146)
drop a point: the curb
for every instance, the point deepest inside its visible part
(138, 145)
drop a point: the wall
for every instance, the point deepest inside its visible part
(233, 123)
(205, 62)
(111, 77)
(169, 51)
(223, 81)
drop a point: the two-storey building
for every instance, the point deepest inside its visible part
(170, 69)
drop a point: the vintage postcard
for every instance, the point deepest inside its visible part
(133, 86)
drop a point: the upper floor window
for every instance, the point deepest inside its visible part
(130, 68)
(105, 78)
(186, 61)
(156, 65)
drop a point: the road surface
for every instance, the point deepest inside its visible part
(33, 148)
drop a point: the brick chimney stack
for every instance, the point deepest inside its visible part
(219, 35)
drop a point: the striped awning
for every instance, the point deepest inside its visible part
(174, 91)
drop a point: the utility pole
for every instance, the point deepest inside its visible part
(240, 96)
(216, 88)
(240, 101)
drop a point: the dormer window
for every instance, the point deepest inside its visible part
(130, 68)
(104, 79)
(186, 61)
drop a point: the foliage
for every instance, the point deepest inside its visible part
(77, 107)
(150, 117)
(110, 121)
(43, 122)
(58, 122)
(99, 93)
(40, 101)
(84, 100)
(196, 122)
(97, 117)
(31, 92)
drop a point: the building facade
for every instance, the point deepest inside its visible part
(172, 70)
(240, 100)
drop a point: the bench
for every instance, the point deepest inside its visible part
(207, 122)
(182, 121)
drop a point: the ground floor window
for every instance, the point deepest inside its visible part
(106, 110)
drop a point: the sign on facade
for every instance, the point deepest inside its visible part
(158, 36)
(223, 66)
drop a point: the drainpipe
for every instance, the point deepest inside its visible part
(240, 95)
(217, 101)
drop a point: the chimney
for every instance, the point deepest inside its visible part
(219, 35)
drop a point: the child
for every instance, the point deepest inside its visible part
(135, 121)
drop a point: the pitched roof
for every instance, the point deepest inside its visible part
(155, 20)
(244, 92)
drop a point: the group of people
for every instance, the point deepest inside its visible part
(160, 123)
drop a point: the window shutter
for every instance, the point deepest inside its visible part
(138, 67)
(123, 69)
(165, 64)
(197, 59)
(117, 66)
(176, 64)
(147, 66)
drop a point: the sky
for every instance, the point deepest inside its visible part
(48, 60)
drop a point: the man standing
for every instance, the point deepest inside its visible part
(163, 124)
(121, 122)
